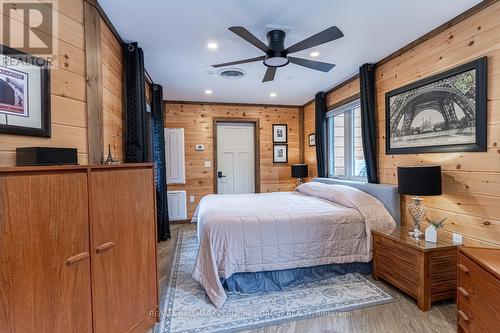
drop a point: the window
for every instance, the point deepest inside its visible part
(345, 147)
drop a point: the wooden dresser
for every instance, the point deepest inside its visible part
(425, 271)
(478, 300)
(77, 249)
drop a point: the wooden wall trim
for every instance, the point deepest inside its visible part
(343, 102)
(457, 19)
(231, 104)
(302, 136)
(95, 123)
(104, 16)
(256, 149)
(336, 87)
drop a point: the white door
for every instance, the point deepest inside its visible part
(235, 158)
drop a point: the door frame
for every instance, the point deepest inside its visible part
(256, 150)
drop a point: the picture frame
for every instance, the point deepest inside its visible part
(439, 114)
(24, 94)
(280, 133)
(280, 153)
(312, 140)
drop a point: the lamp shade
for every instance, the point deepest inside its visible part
(299, 170)
(419, 180)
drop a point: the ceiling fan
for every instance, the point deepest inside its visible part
(276, 54)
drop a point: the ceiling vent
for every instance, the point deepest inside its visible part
(232, 73)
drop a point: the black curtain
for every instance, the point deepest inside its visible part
(136, 128)
(158, 142)
(321, 157)
(369, 120)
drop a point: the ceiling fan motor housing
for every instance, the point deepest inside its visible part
(276, 56)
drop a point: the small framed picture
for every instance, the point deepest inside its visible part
(280, 154)
(312, 140)
(280, 133)
(24, 94)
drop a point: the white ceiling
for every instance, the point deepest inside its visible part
(174, 36)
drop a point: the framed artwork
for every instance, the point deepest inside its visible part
(24, 94)
(312, 140)
(280, 154)
(280, 133)
(442, 113)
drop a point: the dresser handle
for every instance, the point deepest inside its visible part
(463, 292)
(463, 268)
(463, 316)
(77, 258)
(104, 247)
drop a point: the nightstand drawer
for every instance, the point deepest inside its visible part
(478, 292)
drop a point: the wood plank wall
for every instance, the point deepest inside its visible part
(68, 91)
(471, 181)
(112, 97)
(197, 121)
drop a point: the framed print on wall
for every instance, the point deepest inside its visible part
(280, 154)
(312, 139)
(24, 94)
(439, 114)
(280, 133)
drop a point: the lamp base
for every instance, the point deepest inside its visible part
(298, 182)
(417, 212)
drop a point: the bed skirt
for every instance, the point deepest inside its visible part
(247, 283)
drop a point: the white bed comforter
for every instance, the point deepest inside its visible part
(318, 224)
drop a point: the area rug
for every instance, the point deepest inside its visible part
(186, 308)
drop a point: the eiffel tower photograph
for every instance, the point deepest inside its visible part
(437, 113)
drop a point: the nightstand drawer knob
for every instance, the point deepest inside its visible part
(463, 268)
(463, 316)
(464, 292)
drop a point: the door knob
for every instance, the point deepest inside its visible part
(220, 175)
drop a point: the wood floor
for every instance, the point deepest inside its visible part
(401, 316)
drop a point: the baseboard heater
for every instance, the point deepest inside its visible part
(177, 207)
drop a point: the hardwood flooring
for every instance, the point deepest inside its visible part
(401, 316)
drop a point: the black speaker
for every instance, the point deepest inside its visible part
(46, 156)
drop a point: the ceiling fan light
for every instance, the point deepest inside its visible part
(277, 61)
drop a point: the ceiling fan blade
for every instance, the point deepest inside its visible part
(269, 76)
(247, 35)
(322, 37)
(239, 62)
(317, 65)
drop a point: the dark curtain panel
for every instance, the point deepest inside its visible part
(321, 158)
(369, 120)
(158, 141)
(136, 142)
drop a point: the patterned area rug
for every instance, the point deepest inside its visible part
(186, 308)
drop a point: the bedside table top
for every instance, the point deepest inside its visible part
(400, 234)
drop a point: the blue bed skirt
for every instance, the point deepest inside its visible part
(278, 280)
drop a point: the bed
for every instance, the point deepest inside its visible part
(323, 224)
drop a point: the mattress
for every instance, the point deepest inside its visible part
(317, 225)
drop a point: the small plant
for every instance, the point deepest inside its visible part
(436, 224)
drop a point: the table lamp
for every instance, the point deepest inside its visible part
(419, 181)
(300, 172)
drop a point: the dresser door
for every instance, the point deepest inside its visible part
(44, 253)
(123, 240)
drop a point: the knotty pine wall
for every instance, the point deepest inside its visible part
(197, 121)
(471, 181)
(68, 91)
(112, 97)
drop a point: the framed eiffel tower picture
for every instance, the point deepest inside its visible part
(442, 113)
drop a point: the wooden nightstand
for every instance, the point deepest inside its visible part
(425, 271)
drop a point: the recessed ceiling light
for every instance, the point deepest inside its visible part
(212, 45)
(314, 54)
(208, 92)
(273, 94)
